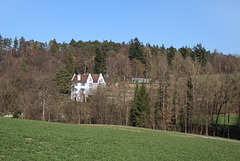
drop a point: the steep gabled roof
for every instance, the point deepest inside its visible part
(74, 79)
(83, 78)
(95, 77)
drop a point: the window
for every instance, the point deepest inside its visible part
(83, 84)
(74, 90)
(73, 84)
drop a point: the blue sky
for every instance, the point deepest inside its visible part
(214, 23)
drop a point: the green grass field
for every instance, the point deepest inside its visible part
(37, 140)
(233, 118)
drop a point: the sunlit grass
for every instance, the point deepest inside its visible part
(232, 119)
(37, 140)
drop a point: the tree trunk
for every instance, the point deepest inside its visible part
(186, 118)
(49, 117)
(224, 120)
(207, 116)
(43, 109)
(125, 106)
(228, 121)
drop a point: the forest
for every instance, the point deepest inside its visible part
(192, 90)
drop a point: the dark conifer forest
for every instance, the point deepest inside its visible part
(192, 89)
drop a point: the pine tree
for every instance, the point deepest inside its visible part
(22, 46)
(54, 46)
(15, 43)
(7, 43)
(170, 54)
(73, 43)
(63, 78)
(136, 51)
(141, 106)
(69, 62)
(100, 62)
(184, 52)
(133, 112)
(162, 49)
(200, 53)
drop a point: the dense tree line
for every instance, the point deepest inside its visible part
(190, 87)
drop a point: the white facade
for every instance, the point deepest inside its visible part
(84, 85)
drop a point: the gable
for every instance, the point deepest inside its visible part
(95, 77)
(83, 78)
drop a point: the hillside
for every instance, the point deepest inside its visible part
(35, 140)
(188, 85)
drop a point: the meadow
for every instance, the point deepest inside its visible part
(36, 140)
(233, 118)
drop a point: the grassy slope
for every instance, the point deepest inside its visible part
(36, 140)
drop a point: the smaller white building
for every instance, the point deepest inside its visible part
(141, 80)
(85, 84)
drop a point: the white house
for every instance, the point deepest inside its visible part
(85, 84)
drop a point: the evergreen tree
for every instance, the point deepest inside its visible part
(22, 45)
(73, 43)
(141, 106)
(134, 105)
(162, 49)
(54, 46)
(106, 46)
(100, 62)
(136, 51)
(15, 45)
(200, 53)
(184, 52)
(63, 78)
(69, 62)
(170, 54)
(7, 42)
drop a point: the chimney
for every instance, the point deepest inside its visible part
(78, 77)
